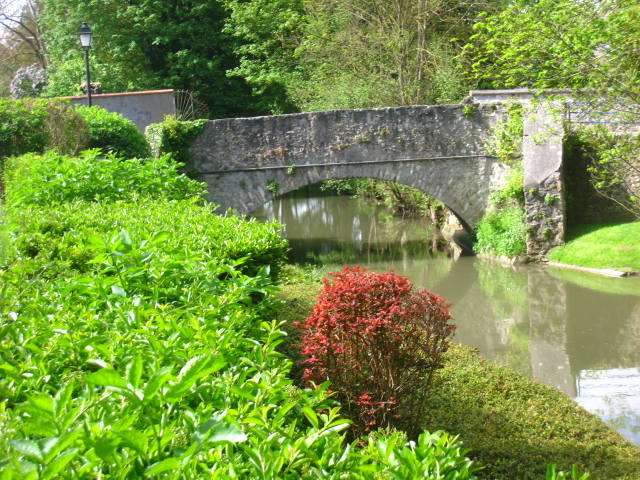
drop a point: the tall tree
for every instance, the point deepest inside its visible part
(539, 44)
(354, 53)
(147, 44)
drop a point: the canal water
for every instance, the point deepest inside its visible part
(575, 331)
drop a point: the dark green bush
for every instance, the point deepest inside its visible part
(174, 136)
(52, 178)
(112, 132)
(22, 126)
(30, 125)
(34, 125)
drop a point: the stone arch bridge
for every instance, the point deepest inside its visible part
(439, 150)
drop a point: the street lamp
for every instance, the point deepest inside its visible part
(85, 41)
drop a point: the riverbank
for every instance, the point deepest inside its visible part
(602, 247)
(513, 425)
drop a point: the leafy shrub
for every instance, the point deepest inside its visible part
(35, 125)
(502, 232)
(83, 191)
(22, 126)
(52, 178)
(174, 136)
(506, 140)
(378, 343)
(112, 132)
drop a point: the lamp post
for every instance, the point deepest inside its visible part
(85, 41)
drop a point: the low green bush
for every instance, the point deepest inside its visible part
(112, 132)
(52, 178)
(173, 136)
(33, 125)
(135, 343)
(58, 204)
(502, 230)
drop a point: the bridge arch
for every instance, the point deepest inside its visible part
(439, 150)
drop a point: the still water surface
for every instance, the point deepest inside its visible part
(575, 331)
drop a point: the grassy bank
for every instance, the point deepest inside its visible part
(513, 426)
(602, 246)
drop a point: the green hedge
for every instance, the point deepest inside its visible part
(173, 136)
(502, 230)
(135, 342)
(112, 132)
(36, 125)
(52, 178)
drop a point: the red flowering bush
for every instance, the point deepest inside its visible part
(378, 342)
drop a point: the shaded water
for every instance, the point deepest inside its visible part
(575, 331)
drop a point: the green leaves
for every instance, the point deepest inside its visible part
(107, 377)
(195, 369)
(166, 465)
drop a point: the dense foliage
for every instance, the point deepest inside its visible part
(22, 127)
(378, 343)
(112, 132)
(136, 342)
(349, 54)
(142, 45)
(33, 125)
(550, 43)
(173, 136)
(502, 230)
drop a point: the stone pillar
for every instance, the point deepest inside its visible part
(543, 185)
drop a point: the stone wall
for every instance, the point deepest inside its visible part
(437, 149)
(143, 108)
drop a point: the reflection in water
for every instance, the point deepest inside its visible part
(574, 331)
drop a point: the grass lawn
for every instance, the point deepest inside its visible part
(602, 246)
(513, 426)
